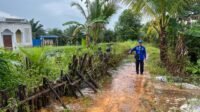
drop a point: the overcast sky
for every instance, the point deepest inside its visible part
(51, 13)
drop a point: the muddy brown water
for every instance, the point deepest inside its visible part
(128, 92)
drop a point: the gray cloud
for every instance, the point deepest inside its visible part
(51, 13)
(7, 15)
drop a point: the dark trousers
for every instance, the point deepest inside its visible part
(139, 64)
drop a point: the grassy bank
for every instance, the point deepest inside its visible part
(154, 64)
(156, 68)
(46, 62)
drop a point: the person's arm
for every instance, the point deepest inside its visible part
(133, 49)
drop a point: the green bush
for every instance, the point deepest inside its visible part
(194, 68)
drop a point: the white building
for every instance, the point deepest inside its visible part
(15, 32)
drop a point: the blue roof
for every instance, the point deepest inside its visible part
(48, 36)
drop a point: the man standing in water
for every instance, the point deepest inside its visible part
(140, 56)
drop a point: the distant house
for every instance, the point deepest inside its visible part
(15, 32)
(46, 40)
(191, 18)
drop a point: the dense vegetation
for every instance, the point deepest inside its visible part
(175, 30)
(29, 65)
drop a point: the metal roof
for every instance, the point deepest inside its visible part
(12, 20)
(48, 36)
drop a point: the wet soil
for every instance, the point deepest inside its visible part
(128, 92)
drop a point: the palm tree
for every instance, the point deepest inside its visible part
(37, 28)
(80, 28)
(149, 32)
(160, 11)
(97, 15)
(100, 13)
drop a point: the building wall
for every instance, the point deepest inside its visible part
(26, 34)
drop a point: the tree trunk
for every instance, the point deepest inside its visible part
(163, 46)
(87, 40)
(181, 53)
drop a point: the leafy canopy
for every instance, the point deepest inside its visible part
(128, 25)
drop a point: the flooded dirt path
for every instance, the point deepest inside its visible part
(128, 92)
(124, 92)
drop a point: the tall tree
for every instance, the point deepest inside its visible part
(160, 11)
(37, 28)
(109, 36)
(128, 25)
(97, 15)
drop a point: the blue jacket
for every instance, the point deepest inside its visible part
(140, 52)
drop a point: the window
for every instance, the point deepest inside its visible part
(19, 36)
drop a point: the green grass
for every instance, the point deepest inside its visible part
(156, 68)
(154, 64)
(48, 61)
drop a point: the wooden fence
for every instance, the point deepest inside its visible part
(84, 71)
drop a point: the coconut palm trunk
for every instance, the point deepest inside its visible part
(163, 46)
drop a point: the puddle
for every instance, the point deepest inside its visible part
(128, 92)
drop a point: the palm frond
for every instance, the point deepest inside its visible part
(35, 25)
(72, 23)
(98, 20)
(77, 30)
(79, 7)
(99, 12)
(145, 7)
(6, 59)
(36, 55)
(109, 9)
